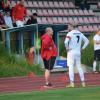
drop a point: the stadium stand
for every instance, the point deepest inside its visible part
(64, 12)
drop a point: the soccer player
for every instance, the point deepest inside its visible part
(73, 44)
(96, 40)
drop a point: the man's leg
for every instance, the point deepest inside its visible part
(80, 70)
(48, 66)
(47, 76)
(96, 60)
(47, 73)
(70, 62)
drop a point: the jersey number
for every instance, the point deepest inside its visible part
(78, 38)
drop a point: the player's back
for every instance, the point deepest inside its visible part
(75, 41)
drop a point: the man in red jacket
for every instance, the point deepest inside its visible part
(48, 53)
(19, 13)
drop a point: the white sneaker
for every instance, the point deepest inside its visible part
(83, 84)
(71, 85)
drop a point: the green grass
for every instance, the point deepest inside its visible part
(90, 93)
(88, 53)
(11, 66)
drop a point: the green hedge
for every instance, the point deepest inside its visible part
(10, 66)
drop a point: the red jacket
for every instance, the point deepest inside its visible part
(48, 48)
(18, 12)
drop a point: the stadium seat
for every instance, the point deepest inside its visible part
(66, 4)
(81, 21)
(60, 20)
(35, 4)
(34, 11)
(99, 19)
(65, 20)
(46, 5)
(56, 4)
(66, 13)
(76, 12)
(90, 28)
(50, 12)
(98, 5)
(80, 28)
(91, 12)
(98, 27)
(90, 19)
(51, 4)
(70, 20)
(39, 20)
(55, 12)
(40, 4)
(45, 12)
(85, 20)
(96, 20)
(95, 28)
(26, 4)
(81, 13)
(86, 13)
(55, 20)
(71, 13)
(60, 12)
(76, 19)
(61, 4)
(85, 29)
(29, 12)
(71, 5)
(49, 19)
(44, 20)
(40, 13)
(30, 4)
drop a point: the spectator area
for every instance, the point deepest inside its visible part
(64, 12)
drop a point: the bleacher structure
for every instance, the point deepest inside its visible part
(63, 12)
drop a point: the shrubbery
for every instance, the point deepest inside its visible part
(10, 65)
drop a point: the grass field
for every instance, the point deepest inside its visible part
(89, 93)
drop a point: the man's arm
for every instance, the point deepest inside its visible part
(86, 42)
(66, 42)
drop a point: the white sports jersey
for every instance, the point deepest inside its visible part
(96, 38)
(73, 41)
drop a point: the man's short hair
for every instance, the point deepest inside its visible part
(74, 25)
(35, 14)
(48, 28)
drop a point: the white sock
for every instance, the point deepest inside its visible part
(94, 65)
